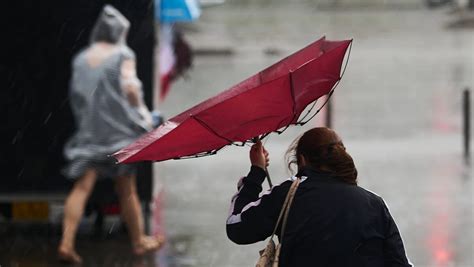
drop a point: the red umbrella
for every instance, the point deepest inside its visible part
(266, 102)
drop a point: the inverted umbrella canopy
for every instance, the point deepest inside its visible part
(266, 102)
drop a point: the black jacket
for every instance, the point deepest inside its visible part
(331, 223)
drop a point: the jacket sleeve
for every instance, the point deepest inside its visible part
(394, 251)
(252, 218)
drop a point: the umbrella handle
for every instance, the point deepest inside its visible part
(255, 139)
(268, 178)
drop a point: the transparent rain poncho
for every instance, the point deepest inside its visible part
(106, 99)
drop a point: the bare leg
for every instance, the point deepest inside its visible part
(73, 211)
(130, 207)
(133, 217)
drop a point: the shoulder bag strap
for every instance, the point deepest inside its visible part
(292, 193)
(285, 207)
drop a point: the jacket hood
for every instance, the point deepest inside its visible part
(111, 27)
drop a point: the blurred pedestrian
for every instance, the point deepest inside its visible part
(107, 102)
(332, 221)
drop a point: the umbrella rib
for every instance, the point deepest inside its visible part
(329, 93)
(200, 155)
(317, 111)
(210, 129)
(292, 92)
(308, 112)
(302, 122)
(292, 95)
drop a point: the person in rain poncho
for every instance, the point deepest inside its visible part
(107, 103)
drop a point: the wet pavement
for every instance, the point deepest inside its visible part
(35, 245)
(398, 109)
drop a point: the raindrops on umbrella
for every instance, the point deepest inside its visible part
(269, 101)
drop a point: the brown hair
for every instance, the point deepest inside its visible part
(323, 150)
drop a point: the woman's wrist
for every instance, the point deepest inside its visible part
(257, 166)
(256, 174)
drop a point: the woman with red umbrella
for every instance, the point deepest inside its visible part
(331, 222)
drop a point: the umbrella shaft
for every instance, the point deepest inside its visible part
(268, 178)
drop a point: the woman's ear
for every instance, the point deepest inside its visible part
(301, 161)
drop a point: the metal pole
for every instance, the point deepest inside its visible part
(147, 217)
(467, 123)
(329, 114)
